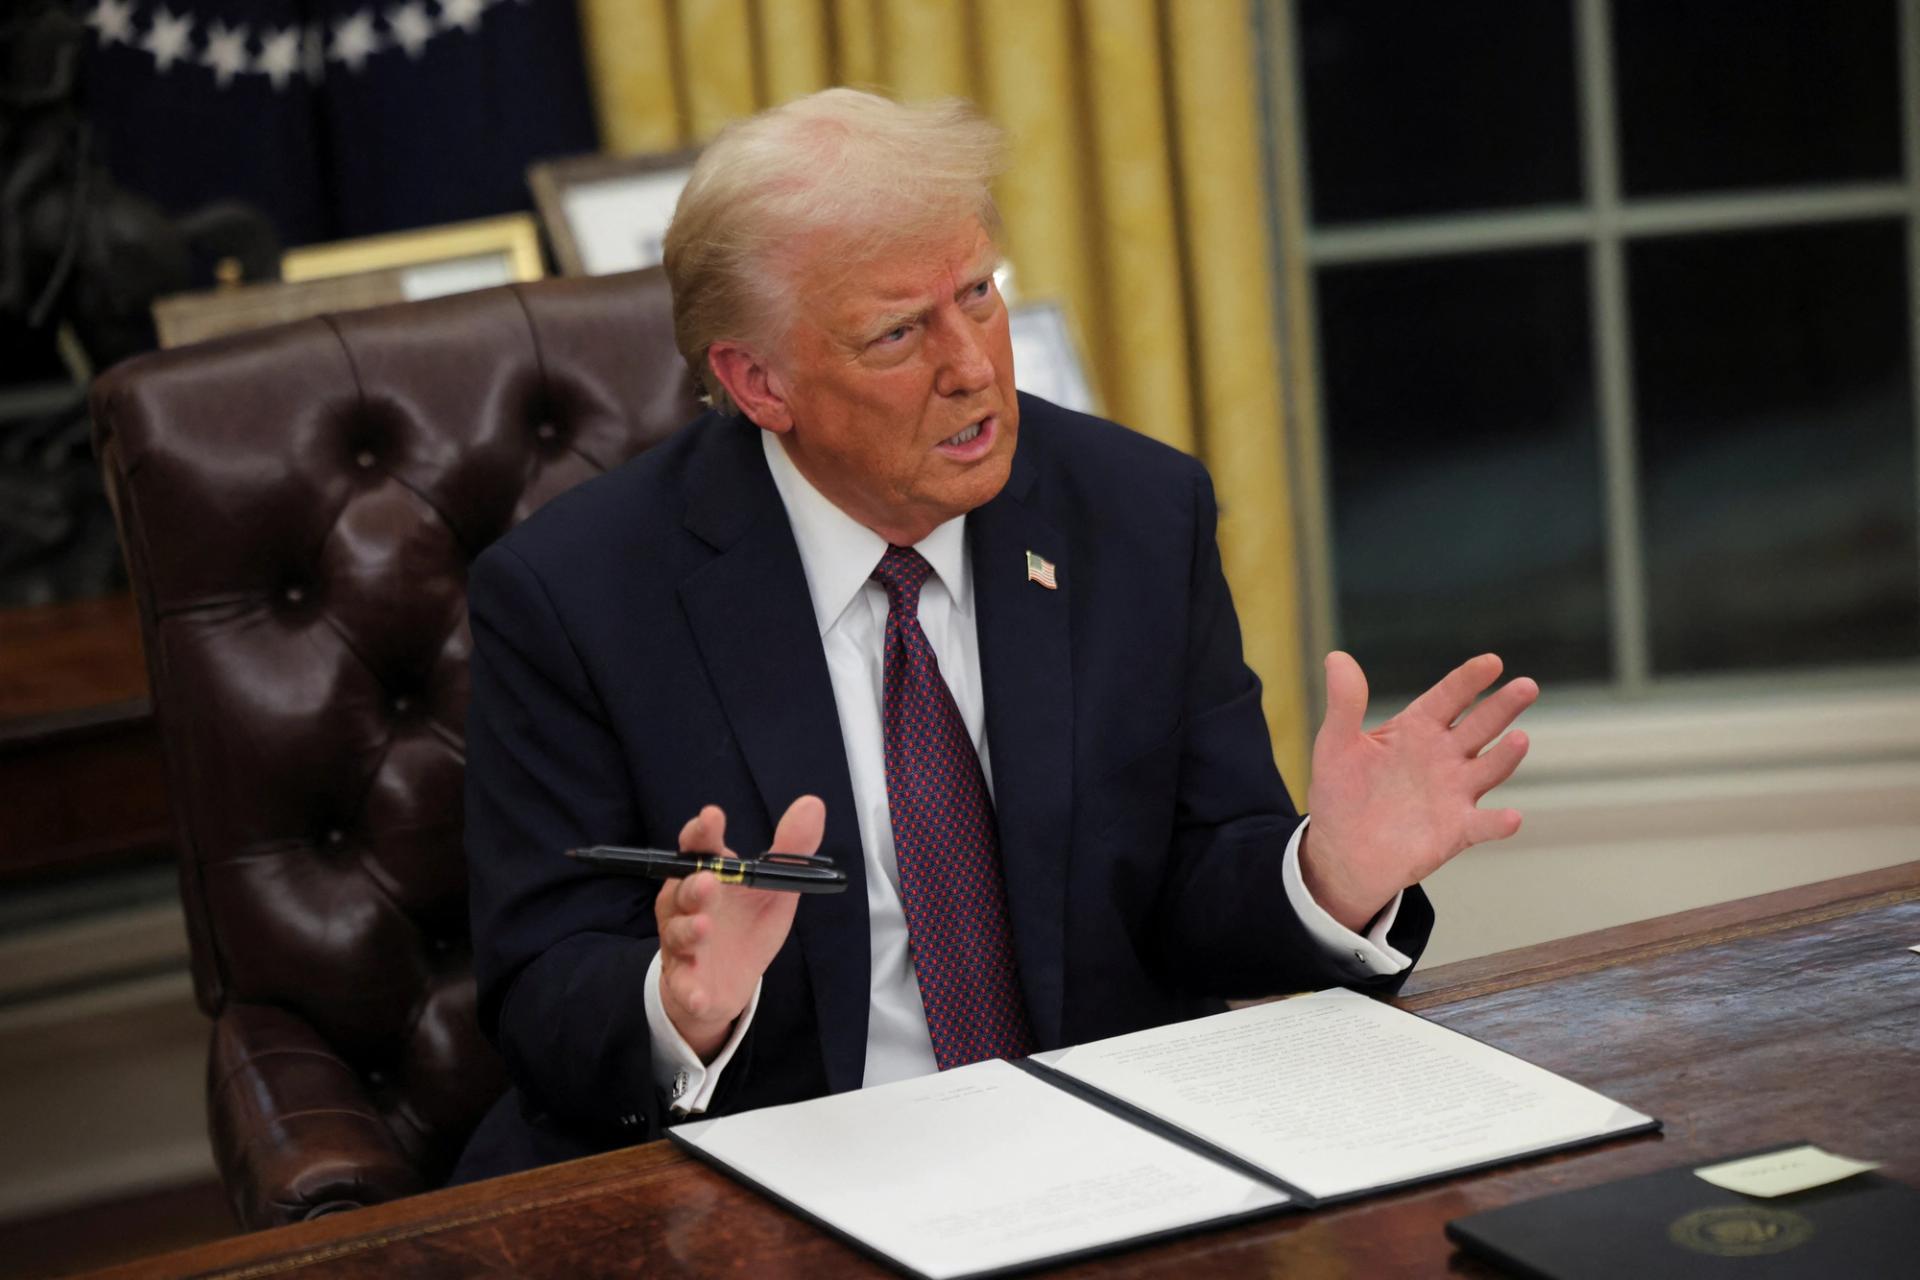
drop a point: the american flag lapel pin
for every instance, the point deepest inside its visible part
(1040, 570)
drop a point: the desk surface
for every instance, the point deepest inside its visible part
(79, 756)
(1795, 1015)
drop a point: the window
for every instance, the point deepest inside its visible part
(1610, 335)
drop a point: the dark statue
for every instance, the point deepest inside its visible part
(81, 261)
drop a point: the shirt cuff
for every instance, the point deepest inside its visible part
(1368, 956)
(677, 1070)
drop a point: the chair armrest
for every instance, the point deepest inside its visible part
(295, 1133)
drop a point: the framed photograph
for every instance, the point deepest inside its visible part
(608, 213)
(1046, 360)
(195, 317)
(433, 261)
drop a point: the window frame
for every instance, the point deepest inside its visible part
(1604, 223)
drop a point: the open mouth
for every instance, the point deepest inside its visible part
(972, 441)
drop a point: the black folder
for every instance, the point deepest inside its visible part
(1674, 1225)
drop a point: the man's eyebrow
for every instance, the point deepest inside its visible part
(888, 321)
(989, 264)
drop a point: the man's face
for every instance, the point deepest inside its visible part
(897, 379)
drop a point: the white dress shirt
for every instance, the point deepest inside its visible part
(838, 554)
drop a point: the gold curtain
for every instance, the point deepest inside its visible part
(1135, 198)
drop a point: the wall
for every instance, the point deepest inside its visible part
(1632, 813)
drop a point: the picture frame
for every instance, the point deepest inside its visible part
(184, 318)
(608, 213)
(431, 261)
(1046, 359)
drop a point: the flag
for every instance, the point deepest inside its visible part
(1041, 571)
(336, 118)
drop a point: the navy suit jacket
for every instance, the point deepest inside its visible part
(646, 644)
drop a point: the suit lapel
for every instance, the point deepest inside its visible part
(1026, 669)
(753, 621)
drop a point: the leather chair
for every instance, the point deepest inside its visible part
(299, 506)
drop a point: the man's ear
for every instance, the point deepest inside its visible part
(753, 385)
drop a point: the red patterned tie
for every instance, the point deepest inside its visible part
(943, 838)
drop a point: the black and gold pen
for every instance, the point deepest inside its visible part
(786, 872)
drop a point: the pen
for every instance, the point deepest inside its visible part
(787, 872)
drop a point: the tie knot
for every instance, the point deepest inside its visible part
(901, 571)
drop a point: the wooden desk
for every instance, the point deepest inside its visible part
(1794, 1015)
(80, 765)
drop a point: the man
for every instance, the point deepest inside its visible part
(976, 647)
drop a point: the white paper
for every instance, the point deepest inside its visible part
(455, 275)
(1336, 1093)
(975, 1168)
(1781, 1173)
(620, 224)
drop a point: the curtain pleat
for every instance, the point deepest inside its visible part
(856, 32)
(796, 49)
(1135, 198)
(924, 49)
(1033, 87)
(630, 56)
(1216, 110)
(1141, 332)
(716, 63)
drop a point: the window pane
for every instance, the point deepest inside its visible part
(1414, 107)
(1776, 446)
(1717, 94)
(1465, 467)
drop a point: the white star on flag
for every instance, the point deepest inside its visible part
(410, 27)
(226, 52)
(354, 39)
(170, 40)
(112, 21)
(464, 14)
(279, 56)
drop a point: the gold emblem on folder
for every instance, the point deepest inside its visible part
(1740, 1231)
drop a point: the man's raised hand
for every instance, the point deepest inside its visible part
(717, 939)
(1390, 806)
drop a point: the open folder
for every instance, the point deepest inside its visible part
(999, 1166)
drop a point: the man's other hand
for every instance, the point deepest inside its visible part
(1389, 807)
(717, 939)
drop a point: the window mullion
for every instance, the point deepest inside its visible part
(1613, 360)
(1313, 486)
(1910, 130)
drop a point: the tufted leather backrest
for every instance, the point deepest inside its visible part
(299, 507)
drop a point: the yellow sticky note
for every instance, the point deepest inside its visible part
(1780, 1173)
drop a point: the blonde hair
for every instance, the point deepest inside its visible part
(843, 163)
